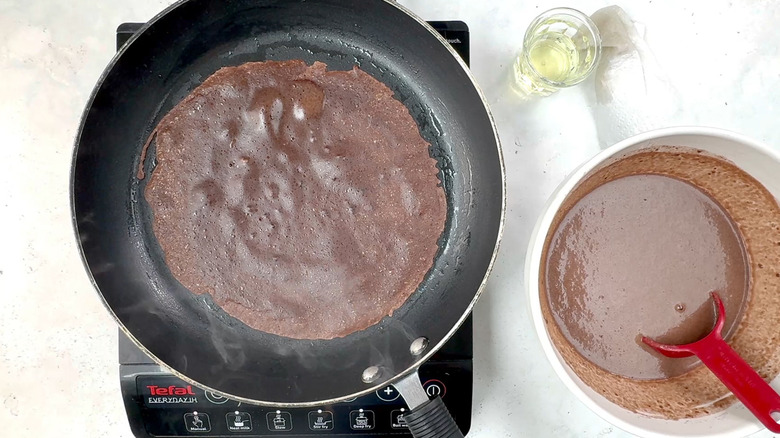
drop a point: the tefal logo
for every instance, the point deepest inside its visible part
(170, 390)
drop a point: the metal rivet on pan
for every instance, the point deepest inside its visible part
(418, 346)
(371, 374)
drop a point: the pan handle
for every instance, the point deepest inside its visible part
(428, 418)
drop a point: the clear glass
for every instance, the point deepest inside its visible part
(561, 48)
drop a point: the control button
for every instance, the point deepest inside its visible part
(397, 420)
(215, 398)
(239, 421)
(320, 420)
(279, 421)
(197, 422)
(361, 420)
(388, 393)
(434, 387)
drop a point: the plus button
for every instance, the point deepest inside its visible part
(388, 394)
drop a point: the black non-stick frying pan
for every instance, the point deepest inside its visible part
(166, 60)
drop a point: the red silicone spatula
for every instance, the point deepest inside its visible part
(732, 370)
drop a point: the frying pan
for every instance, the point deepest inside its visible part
(189, 334)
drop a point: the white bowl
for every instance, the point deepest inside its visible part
(751, 156)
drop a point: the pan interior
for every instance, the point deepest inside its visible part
(189, 333)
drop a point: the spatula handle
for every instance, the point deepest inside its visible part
(741, 379)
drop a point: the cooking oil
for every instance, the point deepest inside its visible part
(561, 49)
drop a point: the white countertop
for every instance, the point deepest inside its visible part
(58, 358)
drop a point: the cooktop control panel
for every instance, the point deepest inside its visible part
(159, 404)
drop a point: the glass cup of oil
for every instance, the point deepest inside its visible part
(561, 48)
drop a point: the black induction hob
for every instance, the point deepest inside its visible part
(159, 404)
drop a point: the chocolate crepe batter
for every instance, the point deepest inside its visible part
(756, 213)
(305, 201)
(639, 255)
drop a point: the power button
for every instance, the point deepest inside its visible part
(434, 387)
